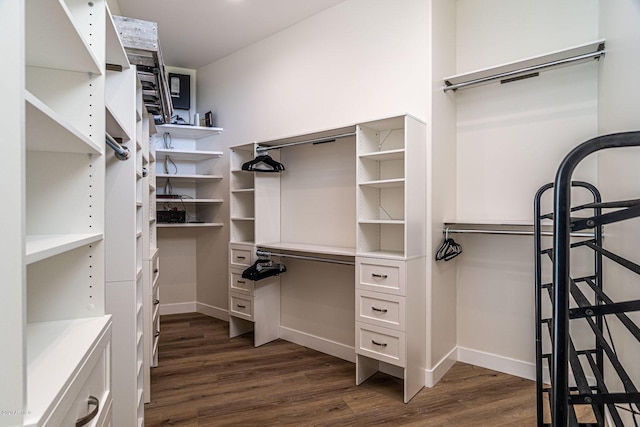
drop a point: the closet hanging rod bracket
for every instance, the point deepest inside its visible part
(512, 75)
(261, 149)
(448, 230)
(122, 153)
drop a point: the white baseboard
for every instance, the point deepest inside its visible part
(498, 363)
(178, 308)
(323, 345)
(211, 311)
(432, 376)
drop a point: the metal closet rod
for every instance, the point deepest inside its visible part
(260, 253)
(509, 232)
(531, 69)
(122, 153)
(264, 148)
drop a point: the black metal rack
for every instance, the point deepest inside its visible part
(592, 374)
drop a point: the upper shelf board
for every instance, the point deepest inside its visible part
(188, 154)
(53, 39)
(49, 131)
(115, 52)
(527, 67)
(191, 132)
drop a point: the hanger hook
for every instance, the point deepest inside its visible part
(446, 233)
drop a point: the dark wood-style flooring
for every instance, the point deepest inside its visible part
(206, 379)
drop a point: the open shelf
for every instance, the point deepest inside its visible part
(114, 125)
(527, 67)
(61, 46)
(189, 224)
(384, 183)
(188, 177)
(53, 132)
(161, 200)
(115, 53)
(39, 247)
(191, 132)
(191, 155)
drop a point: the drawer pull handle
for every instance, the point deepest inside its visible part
(241, 306)
(380, 276)
(381, 310)
(156, 334)
(381, 344)
(241, 282)
(156, 301)
(241, 257)
(155, 270)
(91, 415)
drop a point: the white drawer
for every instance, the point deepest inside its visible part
(241, 306)
(381, 275)
(94, 397)
(239, 284)
(382, 344)
(380, 309)
(240, 256)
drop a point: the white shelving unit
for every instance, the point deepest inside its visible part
(65, 333)
(186, 167)
(254, 199)
(150, 253)
(125, 241)
(391, 250)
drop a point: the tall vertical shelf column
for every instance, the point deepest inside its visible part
(255, 218)
(391, 250)
(150, 253)
(123, 233)
(188, 216)
(68, 333)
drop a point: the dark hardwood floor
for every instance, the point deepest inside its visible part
(206, 379)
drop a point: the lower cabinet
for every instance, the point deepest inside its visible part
(76, 393)
(253, 305)
(390, 320)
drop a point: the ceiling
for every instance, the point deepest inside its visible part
(194, 33)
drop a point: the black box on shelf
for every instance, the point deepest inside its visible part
(171, 216)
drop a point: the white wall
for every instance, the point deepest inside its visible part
(357, 61)
(619, 103)
(510, 140)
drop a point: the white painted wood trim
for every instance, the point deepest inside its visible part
(178, 308)
(323, 345)
(211, 311)
(432, 376)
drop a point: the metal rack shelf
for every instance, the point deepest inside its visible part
(599, 380)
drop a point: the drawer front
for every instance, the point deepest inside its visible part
(382, 344)
(240, 256)
(380, 309)
(97, 386)
(381, 275)
(239, 284)
(241, 306)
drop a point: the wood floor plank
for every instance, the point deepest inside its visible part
(204, 378)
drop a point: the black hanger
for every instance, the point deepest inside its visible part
(448, 249)
(264, 159)
(263, 268)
